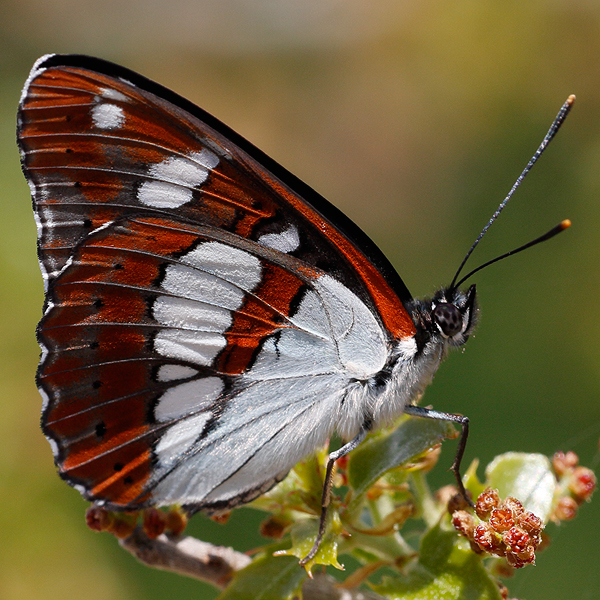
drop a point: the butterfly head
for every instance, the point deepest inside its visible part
(448, 319)
(454, 314)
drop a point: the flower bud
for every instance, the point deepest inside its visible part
(561, 462)
(502, 519)
(566, 509)
(487, 501)
(582, 484)
(463, 522)
(516, 540)
(176, 521)
(98, 519)
(153, 522)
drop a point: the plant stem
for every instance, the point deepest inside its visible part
(424, 499)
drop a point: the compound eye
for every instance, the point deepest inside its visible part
(449, 319)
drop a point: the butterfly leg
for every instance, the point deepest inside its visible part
(326, 496)
(428, 413)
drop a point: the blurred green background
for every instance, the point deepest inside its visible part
(414, 118)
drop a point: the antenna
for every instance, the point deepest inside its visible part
(558, 121)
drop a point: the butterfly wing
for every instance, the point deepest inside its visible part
(204, 315)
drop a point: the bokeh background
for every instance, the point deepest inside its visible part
(414, 118)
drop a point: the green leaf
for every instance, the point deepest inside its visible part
(266, 578)
(384, 452)
(304, 533)
(447, 570)
(527, 477)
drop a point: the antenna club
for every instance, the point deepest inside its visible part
(565, 224)
(571, 99)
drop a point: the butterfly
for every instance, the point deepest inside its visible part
(209, 318)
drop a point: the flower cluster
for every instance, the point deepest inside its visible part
(576, 485)
(502, 528)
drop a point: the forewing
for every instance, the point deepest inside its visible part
(100, 142)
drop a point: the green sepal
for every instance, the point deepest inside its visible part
(304, 534)
(527, 477)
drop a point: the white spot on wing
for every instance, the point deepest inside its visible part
(53, 446)
(185, 171)
(191, 346)
(175, 178)
(191, 283)
(35, 71)
(174, 372)
(189, 397)
(40, 231)
(161, 194)
(83, 491)
(45, 397)
(179, 438)
(191, 314)
(108, 116)
(112, 94)
(286, 241)
(226, 262)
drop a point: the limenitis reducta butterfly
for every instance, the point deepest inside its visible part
(209, 318)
